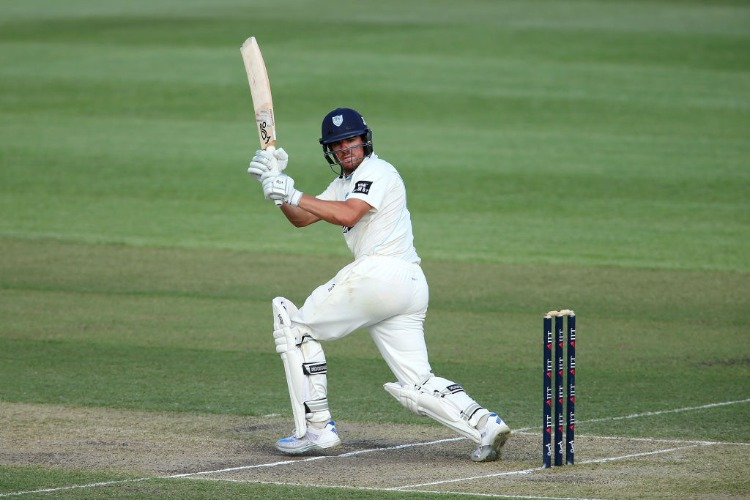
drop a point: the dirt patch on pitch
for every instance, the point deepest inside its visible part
(145, 442)
(407, 457)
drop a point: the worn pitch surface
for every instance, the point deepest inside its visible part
(381, 457)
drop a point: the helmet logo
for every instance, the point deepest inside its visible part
(338, 120)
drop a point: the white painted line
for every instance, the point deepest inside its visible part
(76, 487)
(319, 457)
(662, 412)
(371, 488)
(470, 478)
(649, 413)
(643, 454)
(520, 497)
(648, 440)
(246, 467)
(536, 469)
(400, 447)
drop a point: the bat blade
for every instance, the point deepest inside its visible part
(260, 89)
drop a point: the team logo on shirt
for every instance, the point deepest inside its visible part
(362, 187)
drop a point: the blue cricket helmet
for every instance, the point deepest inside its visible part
(343, 123)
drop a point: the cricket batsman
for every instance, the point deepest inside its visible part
(383, 290)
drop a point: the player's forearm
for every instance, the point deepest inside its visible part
(298, 216)
(336, 212)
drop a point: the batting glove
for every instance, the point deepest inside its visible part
(282, 158)
(280, 187)
(267, 160)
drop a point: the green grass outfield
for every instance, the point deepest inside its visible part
(584, 154)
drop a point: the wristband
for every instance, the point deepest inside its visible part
(295, 197)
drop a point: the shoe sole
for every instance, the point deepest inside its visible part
(308, 447)
(491, 452)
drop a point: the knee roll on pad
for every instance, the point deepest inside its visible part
(285, 335)
(444, 401)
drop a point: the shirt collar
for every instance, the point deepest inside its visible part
(372, 155)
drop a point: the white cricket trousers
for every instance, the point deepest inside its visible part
(386, 295)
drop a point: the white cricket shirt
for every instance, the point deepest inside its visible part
(386, 228)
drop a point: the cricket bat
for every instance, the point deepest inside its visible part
(260, 89)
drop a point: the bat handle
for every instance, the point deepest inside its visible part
(272, 145)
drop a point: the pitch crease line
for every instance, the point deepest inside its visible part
(536, 469)
(648, 413)
(662, 412)
(319, 457)
(372, 488)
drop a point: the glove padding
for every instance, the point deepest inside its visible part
(280, 187)
(281, 157)
(284, 340)
(268, 160)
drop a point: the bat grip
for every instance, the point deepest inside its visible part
(272, 144)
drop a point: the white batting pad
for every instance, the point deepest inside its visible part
(293, 361)
(305, 369)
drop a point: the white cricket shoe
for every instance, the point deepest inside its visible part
(494, 434)
(314, 439)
